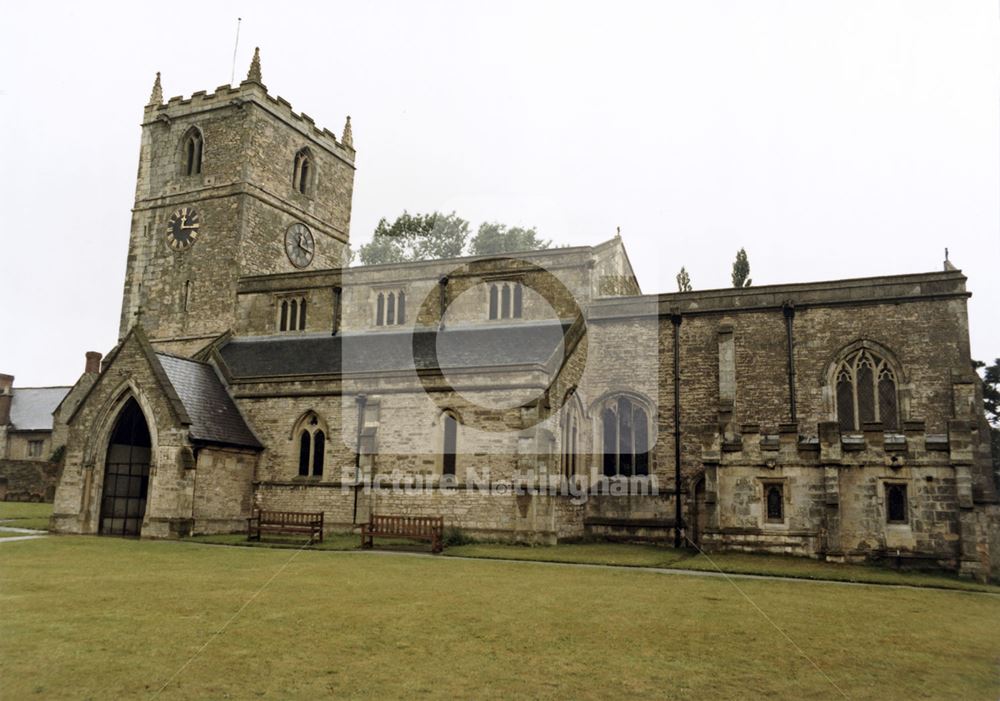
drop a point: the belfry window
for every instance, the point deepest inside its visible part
(506, 300)
(866, 392)
(312, 447)
(626, 438)
(303, 172)
(895, 503)
(390, 308)
(292, 314)
(192, 149)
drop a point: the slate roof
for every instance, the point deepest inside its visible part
(213, 414)
(31, 407)
(481, 346)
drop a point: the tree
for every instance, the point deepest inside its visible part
(741, 270)
(493, 238)
(991, 390)
(991, 403)
(683, 281)
(413, 237)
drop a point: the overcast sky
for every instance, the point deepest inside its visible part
(832, 140)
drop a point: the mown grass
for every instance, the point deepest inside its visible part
(22, 514)
(97, 618)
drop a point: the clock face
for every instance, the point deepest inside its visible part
(182, 228)
(299, 245)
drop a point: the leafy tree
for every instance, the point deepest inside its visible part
(991, 390)
(494, 237)
(991, 402)
(413, 237)
(741, 270)
(683, 281)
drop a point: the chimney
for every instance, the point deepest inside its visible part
(6, 394)
(93, 366)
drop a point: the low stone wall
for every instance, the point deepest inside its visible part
(28, 480)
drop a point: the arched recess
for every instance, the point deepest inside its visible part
(573, 451)
(125, 487)
(310, 434)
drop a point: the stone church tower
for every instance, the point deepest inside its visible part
(230, 184)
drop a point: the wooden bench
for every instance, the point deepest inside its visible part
(429, 528)
(291, 522)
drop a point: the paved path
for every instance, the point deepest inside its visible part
(625, 568)
(29, 534)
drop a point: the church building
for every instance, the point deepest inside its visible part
(533, 397)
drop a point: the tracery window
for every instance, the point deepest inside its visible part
(506, 300)
(191, 152)
(866, 391)
(292, 314)
(312, 447)
(625, 428)
(390, 308)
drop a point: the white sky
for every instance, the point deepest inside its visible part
(832, 140)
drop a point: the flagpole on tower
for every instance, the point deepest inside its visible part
(232, 76)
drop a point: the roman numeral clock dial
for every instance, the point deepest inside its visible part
(182, 228)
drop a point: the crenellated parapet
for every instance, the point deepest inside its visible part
(250, 91)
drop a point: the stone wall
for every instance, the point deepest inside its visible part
(28, 480)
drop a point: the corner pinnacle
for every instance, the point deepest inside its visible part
(156, 97)
(253, 75)
(347, 138)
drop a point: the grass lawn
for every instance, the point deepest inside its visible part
(22, 514)
(98, 618)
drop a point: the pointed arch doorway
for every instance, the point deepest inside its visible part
(126, 473)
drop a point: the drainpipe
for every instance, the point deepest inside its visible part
(675, 319)
(361, 399)
(442, 299)
(789, 310)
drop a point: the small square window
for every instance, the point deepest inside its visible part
(35, 449)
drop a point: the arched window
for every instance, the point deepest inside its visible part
(312, 446)
(292, 314)
(449, 443)
(625, 426)
(506, 300)
(302, 174)
(494, 302)
(191, 152)
(895, 503)
(390, 308)
(866, 391)
(774, 502)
